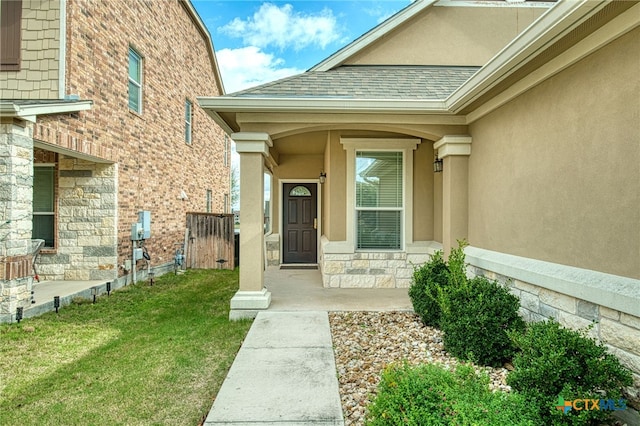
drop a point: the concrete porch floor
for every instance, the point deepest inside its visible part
(302, 290)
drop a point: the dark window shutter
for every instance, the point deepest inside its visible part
(10, 34)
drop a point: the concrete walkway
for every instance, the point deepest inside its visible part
(284, 374)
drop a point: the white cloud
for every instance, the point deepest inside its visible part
(284, 28)
(250, 66)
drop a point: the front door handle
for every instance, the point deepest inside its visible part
(315, 223)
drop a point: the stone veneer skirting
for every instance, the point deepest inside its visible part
(576, 298)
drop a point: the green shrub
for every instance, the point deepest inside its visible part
(424, 289)
(476, 320)
(429, 395)
(554, 362)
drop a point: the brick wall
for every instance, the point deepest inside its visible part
(154, 164)
(38, 77)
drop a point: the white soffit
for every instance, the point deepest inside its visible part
(30, 111)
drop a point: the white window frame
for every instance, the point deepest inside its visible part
(54, 213)
(188, 121)
(406, 146)
(227, 144)
(137, 84)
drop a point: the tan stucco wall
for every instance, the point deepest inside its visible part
(449, 36)
(423, 192)
(335, 191)
(437, 207)
(38, 77)
(554, 175)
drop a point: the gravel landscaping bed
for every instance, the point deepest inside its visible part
(366, 342)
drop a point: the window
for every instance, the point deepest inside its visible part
(379, 200)
(209, 200)
(135, 81)
(44, 204)
(10, 34)
(380, 197)
(188, 116)
(267, 203)
(226, 150)
(299, 191)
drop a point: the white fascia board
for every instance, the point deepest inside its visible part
(507, 3)
(551, 26)
(376, 33)
(32, 111)
(320, 105)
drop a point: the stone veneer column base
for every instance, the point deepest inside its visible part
(247, 304)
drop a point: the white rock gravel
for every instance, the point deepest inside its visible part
(366, 342)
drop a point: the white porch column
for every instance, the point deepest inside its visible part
(455, 151)
(252, 295)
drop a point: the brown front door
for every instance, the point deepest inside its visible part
(300, 223)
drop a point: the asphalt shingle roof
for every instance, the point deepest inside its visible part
(368, 82)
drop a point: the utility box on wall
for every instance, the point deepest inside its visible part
(144, 218)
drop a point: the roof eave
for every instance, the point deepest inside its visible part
(322, 105)
(30, 112)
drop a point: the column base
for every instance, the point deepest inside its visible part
(247, 304)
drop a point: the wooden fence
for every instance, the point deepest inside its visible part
(211, 241)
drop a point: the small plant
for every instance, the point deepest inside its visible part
(430, 395)
(432, 280)
(555, 362)
(424, 290)
(476, 320)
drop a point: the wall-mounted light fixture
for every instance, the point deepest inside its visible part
(323, 177)
(437, 165)
(183, 196)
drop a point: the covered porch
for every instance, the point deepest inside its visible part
(348, 186)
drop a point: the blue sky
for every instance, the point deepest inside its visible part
(259, 41)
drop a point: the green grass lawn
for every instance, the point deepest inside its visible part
(145, 355)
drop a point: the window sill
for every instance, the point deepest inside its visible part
(137, 114)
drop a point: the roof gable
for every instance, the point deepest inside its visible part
(373, 35)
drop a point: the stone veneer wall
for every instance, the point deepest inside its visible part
(370, 269)
(86, 248)
(619, 331)
(16, 181)
(272, 242)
